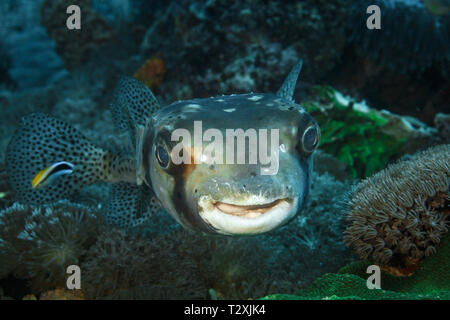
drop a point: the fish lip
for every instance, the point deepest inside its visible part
(280, 211)
(247, 211)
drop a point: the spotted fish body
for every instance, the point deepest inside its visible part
(215, 198)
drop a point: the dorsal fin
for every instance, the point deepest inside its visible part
(287, 89)
(132, 106)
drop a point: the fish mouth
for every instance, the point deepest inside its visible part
(247, 211)
(247, 217)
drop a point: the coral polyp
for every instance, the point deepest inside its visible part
(41, 242)
(399, 215)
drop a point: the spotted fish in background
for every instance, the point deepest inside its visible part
(47, 160)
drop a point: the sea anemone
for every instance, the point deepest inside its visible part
(399, 215)
(179, 265)
(43, 241)
(411, 38)
(12, 223)
(116, 262)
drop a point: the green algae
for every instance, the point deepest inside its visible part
(430, 281)
(353, 133)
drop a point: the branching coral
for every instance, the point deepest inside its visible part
(399, 215)
(43, 241)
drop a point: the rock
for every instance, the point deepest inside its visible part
(74, 46)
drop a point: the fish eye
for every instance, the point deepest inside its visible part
(310, 138)
(162, 156)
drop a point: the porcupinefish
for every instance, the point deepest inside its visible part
(47, 160)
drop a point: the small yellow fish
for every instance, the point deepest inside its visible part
(51, 173)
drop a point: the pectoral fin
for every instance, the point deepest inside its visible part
(129, 205)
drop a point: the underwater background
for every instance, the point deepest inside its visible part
(380, 186)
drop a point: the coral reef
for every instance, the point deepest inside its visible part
(116, 262)
(151, 73)
(364, 138)
(62, 294)
(442, 124)
(118, 12)
(204, 48)
(412, 37)
(430, 281)
(350, 287)
(33, 60)
(179, 265)
(57, 294)
(405, 65)
(431, 276)
(246, 73)
(74, 47)
(41, 242)
(5, 64)
(248, 39)
(399, 215)
(6, 196)
(320, 226)
(326, 163)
